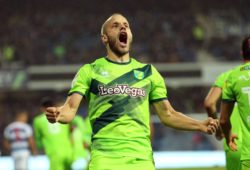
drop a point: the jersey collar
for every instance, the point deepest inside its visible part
(124, 63)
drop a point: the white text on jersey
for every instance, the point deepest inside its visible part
(121, 89)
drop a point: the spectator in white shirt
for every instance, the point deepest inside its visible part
(18, 139)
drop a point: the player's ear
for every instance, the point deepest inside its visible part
(104, 38)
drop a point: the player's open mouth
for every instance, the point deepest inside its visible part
(123, 38)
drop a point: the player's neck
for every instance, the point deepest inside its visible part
(119, 59)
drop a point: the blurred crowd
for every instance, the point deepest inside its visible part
(68, 32)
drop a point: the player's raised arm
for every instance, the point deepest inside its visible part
(65, 113)
(177, 120)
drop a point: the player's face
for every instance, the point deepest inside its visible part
(119, 35)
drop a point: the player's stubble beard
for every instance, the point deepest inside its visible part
(113, 47)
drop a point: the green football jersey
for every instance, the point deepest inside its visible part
(235, 117)
(118, 95)
(238, 89)
(53, 137)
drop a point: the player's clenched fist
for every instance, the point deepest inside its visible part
(212, 125)
(52, 114)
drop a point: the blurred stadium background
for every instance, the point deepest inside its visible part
(43, 43)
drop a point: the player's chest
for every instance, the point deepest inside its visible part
(133, 82)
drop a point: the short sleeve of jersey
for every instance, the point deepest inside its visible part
(227, 92)
(220, 81)
(159, 90)
(81, 81)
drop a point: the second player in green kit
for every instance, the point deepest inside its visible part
(237, 89)
(212, 98)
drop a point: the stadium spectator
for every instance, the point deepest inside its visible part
(119, 89)
(18, 138)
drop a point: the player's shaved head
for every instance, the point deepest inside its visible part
(116, 34)
(104, 25)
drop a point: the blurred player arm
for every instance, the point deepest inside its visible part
(178, 120)
(226, 111)
(32, 145)
(210, 103)
(65, 113)
(211, 100)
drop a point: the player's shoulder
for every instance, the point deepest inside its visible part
(234, 73)
(135, 61)
(224, 75)
(238, 70)
(92, 64)
(12, 125)
(8, 127)
(98, 61)
(138, 63)
(19, 125)
(243, 67)
(39, 118)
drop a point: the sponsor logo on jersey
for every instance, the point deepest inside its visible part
(120, 89)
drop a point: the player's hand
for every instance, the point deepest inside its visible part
(52, 114)
(211, 125)
(232, 143)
